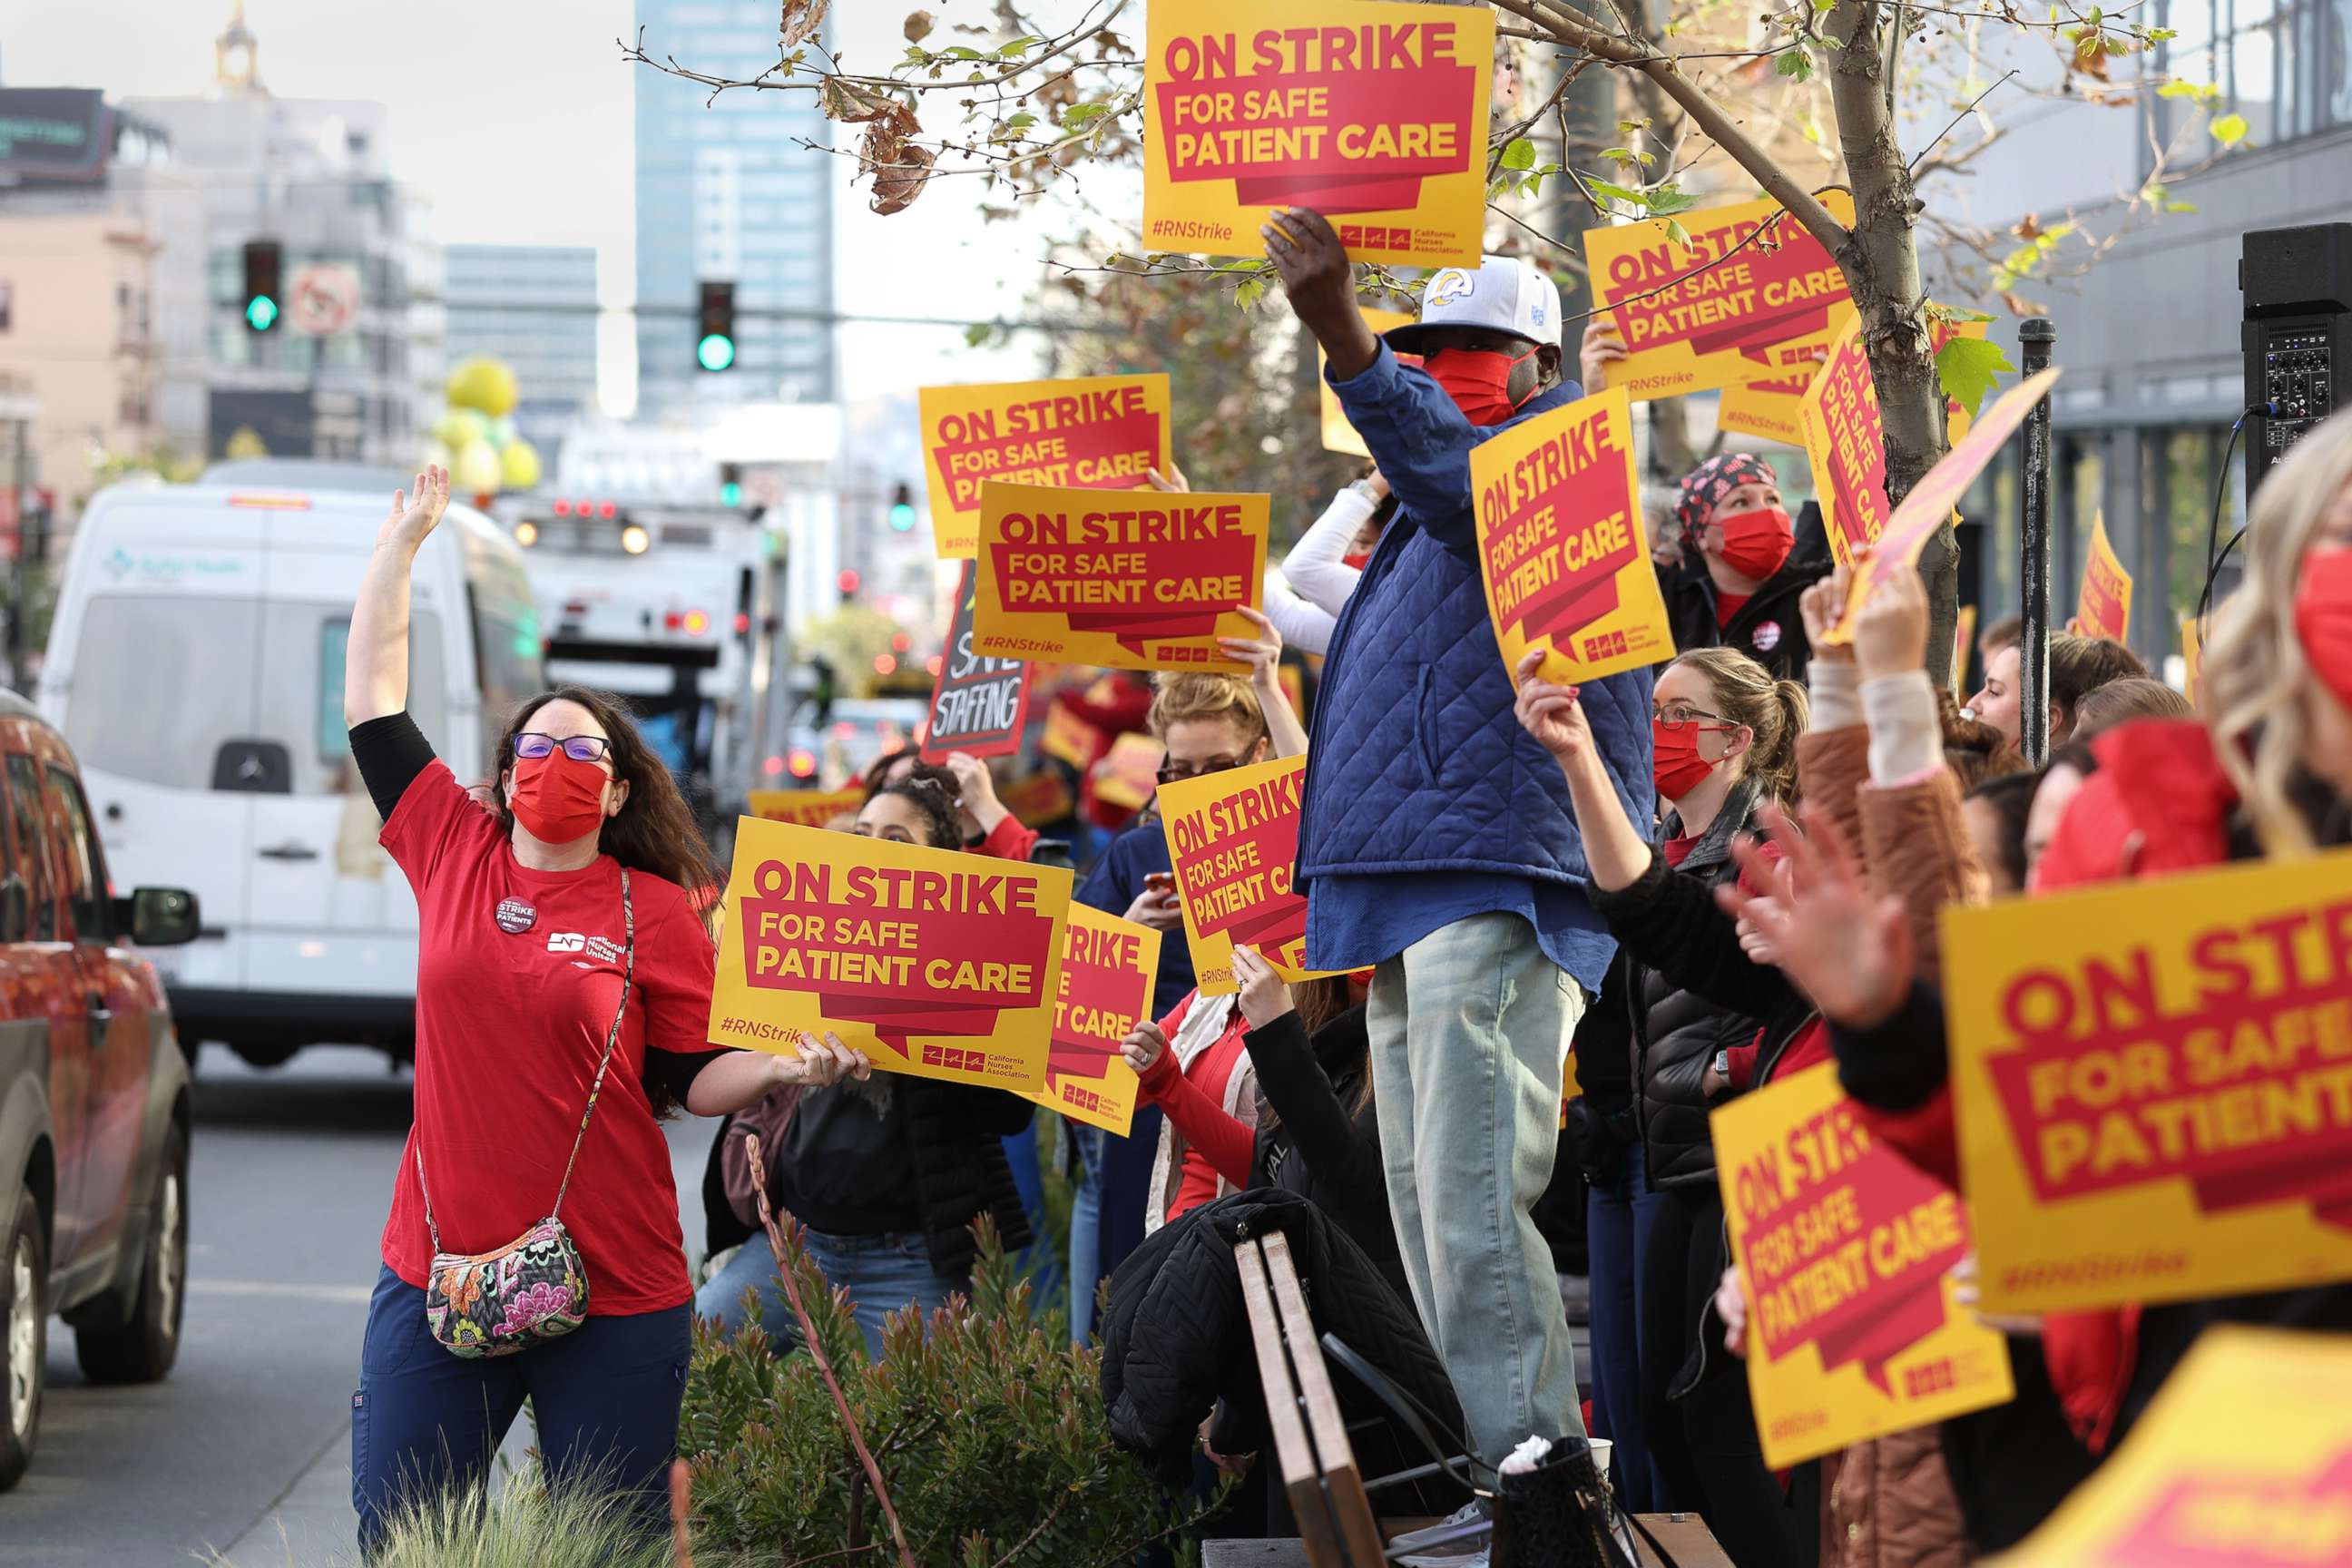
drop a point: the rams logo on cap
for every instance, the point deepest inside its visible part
(1449, 285)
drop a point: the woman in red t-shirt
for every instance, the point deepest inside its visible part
(523, 936)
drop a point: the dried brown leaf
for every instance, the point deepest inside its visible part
(801, 19)
(898, 167)
(852, 105)
(919, 25)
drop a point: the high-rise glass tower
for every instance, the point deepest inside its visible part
(730, 193)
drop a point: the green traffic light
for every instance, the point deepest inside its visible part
(261, 313)
(902, 518)
(730, 495)
(716, 351)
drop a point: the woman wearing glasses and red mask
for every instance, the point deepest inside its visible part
(579, 892)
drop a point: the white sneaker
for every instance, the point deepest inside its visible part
(1466, 1554)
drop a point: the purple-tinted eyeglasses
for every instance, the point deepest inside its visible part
(533, 745)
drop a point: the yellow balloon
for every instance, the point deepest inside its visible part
(476, 472)
(483, 383)
(457, 427)
(518, 465)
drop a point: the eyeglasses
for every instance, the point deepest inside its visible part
(1176, 773)
(1676, 715)
(533, 745)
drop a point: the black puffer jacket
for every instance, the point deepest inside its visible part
(1677, 1032)
(1768, 627)
(1176, 1338)
(1319, 1134)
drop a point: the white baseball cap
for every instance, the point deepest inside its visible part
(1502, 294)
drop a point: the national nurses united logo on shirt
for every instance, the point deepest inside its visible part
(1767, 637)
(515, 917)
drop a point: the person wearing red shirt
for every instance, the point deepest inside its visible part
(571, 891)
(1195, 1065)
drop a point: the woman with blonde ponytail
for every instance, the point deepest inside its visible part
(1705, 1022)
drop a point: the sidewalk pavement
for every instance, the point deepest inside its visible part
(312, 1524)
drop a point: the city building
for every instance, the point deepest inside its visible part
(78, 279)
(2149, 331)
(312, 175)
(730, 191)
(534, 307)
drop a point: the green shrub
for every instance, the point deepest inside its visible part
(987, 1429)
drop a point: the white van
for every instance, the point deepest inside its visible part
(195, 664)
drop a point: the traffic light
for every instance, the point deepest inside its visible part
(902, 509)
(731, 484)
(849, 581)
(264, 262)
(714, 344)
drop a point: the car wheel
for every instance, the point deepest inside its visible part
(24, 1338)
(143, 1350)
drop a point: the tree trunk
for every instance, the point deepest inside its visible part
(1881, 261)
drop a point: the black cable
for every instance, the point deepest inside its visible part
(2214, 561)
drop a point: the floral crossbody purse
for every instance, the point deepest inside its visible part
(534, 1288)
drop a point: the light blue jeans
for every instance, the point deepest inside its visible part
(1469, 1033)
(881, 1273)
(1086, 1231)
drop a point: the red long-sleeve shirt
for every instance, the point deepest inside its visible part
(1216, 1144)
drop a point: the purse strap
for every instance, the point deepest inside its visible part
(612, 1039)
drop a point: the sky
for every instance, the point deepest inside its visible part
(515, 117)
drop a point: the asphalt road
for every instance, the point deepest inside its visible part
(243, 1450)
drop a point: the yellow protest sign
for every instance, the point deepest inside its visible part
(1088, 432)
(1372, 114)
(1130, 772)
(1108, 966)
(1772, 409)
(1233, 838)
(2243, 1460)
(1964, 639)
(1931, 500)
(1146, 582)
(805, 807)
(1724, 305)
(2103, 608)
(1339, 436)
(936, 963)
(1845, 1251)
(1846, 448)
(2192, 654)
(1562, 544)
(2153, 1083)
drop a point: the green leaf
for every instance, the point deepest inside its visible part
(2161, 35)
(1666, 199)
(976, 334)
(2180, 207)
(1519, 155)
(1015, 124)
(1628, 156)
(1676, 232)
(1966, 367)
(2228, 129)
(1017, 48)
(1249, 293)
(1608, 192)
(1079, 114)
(1794, 63)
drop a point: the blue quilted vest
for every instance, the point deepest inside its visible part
(1417, 762)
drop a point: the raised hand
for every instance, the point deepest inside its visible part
(1264, 996)
(976, 789)
(1144, 1045)
(1822, 606)
(1890, 630)
(1313, 266)
(825, 1063)
(1843, 946)
(1262, 653)
(1173, 480)
(416, 513)
(1602, 347)
(1551, 713)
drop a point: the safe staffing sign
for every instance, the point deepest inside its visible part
(1233, 838)
(1108, 968)
(1370, 114)
(1090, 432)
(979, 706)
(2153, 1085)
(937, 964)
(1562, 546)
(1724, 305)
(1151, 583)
(1845, 1251)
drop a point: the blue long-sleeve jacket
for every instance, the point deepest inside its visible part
(1417, 763)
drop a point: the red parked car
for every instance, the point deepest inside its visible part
(94, 1108)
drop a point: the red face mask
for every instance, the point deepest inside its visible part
(1357, 559)
(2323, 618)
(1478, 379)
(1756, 544)
(557, 799)
(1675, 766)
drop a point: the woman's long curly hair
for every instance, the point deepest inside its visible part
(654, 831)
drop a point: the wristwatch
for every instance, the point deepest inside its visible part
(1723, 1065)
